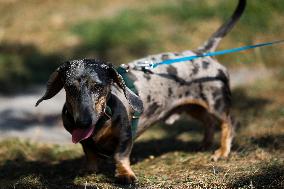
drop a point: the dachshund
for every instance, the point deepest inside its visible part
(100, 108)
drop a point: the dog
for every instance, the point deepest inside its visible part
(99, 106)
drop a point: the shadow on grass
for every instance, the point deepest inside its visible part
(59, 175)
(171, 142)
(275, 142)
(64, 174)
(242, 101)
(20, 173)
(269, 177)
(143, 150)
(246, 107)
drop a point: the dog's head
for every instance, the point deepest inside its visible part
(87, 84)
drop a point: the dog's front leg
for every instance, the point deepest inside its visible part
(92, 160)
(123, 172)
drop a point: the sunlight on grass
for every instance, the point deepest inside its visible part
(166, 156)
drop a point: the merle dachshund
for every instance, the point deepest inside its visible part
(199, 88)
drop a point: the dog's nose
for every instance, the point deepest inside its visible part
(84, 123)
(84, 119)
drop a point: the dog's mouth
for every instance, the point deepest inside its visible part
(80, 134)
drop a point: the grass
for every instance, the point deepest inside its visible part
(258, 15)
(128, 33)
(166, 156)
(22, 65)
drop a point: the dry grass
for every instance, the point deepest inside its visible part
(166, 156)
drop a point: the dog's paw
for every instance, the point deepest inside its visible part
(126, 179)
(219, 154)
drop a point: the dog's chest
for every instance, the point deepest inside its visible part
(106, 138)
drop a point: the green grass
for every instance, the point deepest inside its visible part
(260, 22)
(128, 33)
(166, 156)
(22, 65)
(258, 15)
(30, 50)
(170, 26)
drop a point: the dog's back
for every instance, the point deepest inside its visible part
(203, 81)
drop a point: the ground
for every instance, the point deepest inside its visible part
(166, 156)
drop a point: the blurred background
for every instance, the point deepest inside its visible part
(36, 36)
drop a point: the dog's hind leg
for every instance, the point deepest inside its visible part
(209, 124)
(227, 134)
(208, 121)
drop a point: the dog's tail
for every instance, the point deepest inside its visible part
(211, 44)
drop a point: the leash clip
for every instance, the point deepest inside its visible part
(145, 65)
(125, 67)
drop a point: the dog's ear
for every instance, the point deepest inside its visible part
(54, 84)
(134, 100)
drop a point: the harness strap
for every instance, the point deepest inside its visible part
(123, 71)
(108, 112)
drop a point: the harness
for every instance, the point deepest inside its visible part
(123, 71)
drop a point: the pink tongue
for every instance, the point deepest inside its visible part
(81, 134)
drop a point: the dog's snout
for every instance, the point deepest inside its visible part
(85, 120)
(83, 123)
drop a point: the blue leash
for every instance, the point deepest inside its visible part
(152, 65)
